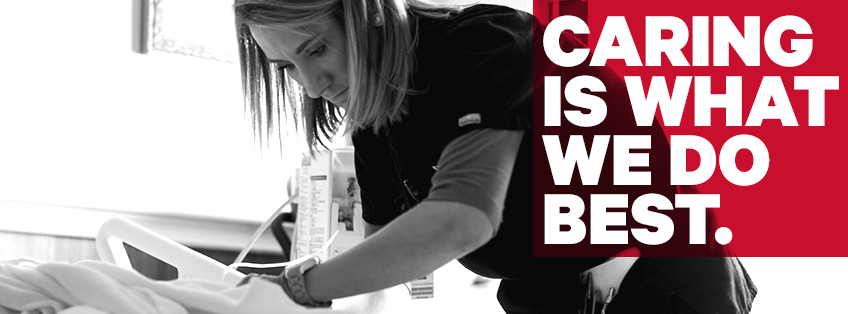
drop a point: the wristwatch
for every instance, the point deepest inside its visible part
(294, 276)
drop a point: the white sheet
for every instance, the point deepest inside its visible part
(28, 286)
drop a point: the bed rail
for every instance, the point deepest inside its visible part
(189, 263)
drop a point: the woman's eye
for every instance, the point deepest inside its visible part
(320, 50)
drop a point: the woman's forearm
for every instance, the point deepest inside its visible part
(415, 244)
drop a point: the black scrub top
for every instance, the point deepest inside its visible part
(476, 62)
(480, 62)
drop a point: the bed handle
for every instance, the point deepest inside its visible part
(189, 263)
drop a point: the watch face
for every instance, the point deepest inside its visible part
(309, 263)
(300, 267)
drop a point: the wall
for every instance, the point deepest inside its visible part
(86, 122)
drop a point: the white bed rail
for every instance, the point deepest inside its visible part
(189, 263)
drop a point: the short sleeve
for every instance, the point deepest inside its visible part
(486, 73)
(475, 169)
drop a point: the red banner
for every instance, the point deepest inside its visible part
(747, 94)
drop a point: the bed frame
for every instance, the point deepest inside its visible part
(189, 263)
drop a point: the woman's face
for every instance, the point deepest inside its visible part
(315, 57)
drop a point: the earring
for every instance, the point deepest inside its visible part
(378, 20)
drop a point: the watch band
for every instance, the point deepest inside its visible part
(295, 283)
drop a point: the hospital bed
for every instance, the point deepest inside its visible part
(453, 297)
(189, 263)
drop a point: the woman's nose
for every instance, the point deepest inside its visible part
(314, 83)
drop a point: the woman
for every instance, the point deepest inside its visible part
(439, 100)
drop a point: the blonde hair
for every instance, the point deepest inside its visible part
(380, 49)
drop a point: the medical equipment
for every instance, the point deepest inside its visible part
(189, 263)
(328, 223)
(329, 204)
(603, 281)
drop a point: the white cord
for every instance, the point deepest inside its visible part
(236, 265)
(261, 229)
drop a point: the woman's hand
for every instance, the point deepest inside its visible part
(282, 281)
(275, 279)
